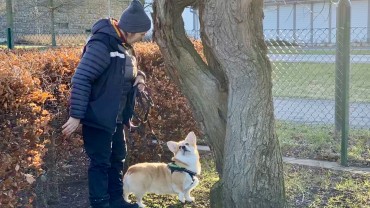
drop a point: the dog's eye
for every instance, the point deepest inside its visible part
(187, 144)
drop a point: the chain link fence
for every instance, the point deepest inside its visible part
(304, 76)
(304, 90)
(305, 70)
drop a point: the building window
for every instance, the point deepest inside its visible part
(63, 25)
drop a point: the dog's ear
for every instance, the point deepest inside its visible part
(191, 138)
(172, 146)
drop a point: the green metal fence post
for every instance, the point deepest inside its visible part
(342, 67)
(52, 10)
(9, 31)
(9, 38)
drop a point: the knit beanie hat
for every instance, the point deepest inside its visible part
(134, 19)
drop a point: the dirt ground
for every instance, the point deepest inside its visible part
(73, 186)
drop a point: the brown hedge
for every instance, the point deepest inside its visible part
(34, 92)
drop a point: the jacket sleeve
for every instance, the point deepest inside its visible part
(92, 64)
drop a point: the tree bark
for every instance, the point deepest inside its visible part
(231, 95)
(206, 94)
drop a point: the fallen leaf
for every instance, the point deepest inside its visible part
(29, 178)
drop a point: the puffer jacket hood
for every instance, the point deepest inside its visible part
(105, 26)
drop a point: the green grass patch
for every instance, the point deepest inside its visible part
(305, 187)
(313, 187)
(318, 142)
(317, 81)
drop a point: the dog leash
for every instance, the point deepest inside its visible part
(145, 101)
(143, 95)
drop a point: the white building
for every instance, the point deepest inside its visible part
(313, 21)
(303, 21)
(190, 17)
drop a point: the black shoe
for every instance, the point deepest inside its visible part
(99, 203)
(129, 205)
(102, 206)
(122, 204)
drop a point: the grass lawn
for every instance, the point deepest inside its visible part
(305, 187)
(314, 187)
(317, 142)
(317, 81)
(307, 51)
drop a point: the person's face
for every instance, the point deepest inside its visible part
(134, 37)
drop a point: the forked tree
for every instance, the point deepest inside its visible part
(230, 94)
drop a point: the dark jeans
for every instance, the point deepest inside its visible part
(107, 154)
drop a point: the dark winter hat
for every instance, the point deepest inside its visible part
(134, 19)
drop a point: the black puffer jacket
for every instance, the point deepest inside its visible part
(98, 84)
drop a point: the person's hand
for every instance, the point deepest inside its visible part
(140, 82)
(70, 126)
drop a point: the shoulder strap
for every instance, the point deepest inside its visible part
(173, 167)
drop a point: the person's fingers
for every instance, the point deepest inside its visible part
(64, 125)
(139, 79)
(72, 128)
(141, 87)
(65, 132)
(69, 128)
(69, 122)
(135, 83)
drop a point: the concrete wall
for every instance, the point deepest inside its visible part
(2, 20)
(72, 17)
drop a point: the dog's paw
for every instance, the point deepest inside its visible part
(190, 199)
(182, 198)
(182, 201)
(141, 205)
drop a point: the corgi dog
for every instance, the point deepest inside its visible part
(178, 177)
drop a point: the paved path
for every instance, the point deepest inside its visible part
(315, 58)
(312, 163)
(319, 112)
(325, 164)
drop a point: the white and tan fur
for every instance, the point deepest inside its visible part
(157, 177)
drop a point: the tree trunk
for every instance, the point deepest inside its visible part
(206, 94)
(231, 95)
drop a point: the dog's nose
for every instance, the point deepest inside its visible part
(182, 147)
